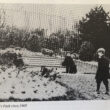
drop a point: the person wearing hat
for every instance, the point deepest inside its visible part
(69, 64)
(102, 74)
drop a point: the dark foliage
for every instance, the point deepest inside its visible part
(95, 28)
(86, 51)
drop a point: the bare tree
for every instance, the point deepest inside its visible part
(2, 19)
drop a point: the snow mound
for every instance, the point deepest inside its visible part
(28, 84)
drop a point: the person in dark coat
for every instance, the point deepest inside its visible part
(18, 62)
(102, 74)
(69, 64)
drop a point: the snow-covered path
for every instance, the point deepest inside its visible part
(84, 84)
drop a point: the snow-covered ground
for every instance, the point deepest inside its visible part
(22, 51)
(28, 84)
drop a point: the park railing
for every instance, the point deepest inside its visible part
(86, 67)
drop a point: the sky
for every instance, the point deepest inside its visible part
(48, 16)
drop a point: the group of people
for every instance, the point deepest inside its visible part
(102, 74)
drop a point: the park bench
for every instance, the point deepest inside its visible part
(43, 61)
(38, 61)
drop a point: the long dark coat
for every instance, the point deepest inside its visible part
(103, 68)
(18, 61)
(69, 63)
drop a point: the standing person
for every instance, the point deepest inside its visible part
(102, 74)
(69, 63)
(18, 61)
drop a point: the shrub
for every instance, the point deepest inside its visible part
(86, 51)
(47, 52)
(7, 58)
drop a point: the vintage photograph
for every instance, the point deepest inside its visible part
(54, 52)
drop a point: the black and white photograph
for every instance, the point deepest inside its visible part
(54, 52)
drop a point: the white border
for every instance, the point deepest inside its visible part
(58, 1)
(59, 105)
